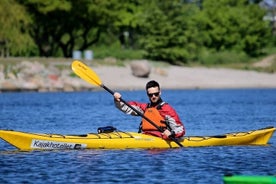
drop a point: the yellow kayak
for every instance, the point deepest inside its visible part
(129, 140)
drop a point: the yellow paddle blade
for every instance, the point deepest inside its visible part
(86, 73)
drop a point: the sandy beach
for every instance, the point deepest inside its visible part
(34, 76)
(175, 77)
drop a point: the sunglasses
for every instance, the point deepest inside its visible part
(155, 94)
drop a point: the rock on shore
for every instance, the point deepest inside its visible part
(34, 76)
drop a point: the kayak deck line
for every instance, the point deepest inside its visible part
(111, 135)
(129, 140)
(108, 135)
(234, 134)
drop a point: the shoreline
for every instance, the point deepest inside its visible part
(175, 77)
(34, 76)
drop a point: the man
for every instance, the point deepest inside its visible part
(158, 111)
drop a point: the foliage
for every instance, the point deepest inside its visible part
(14, 23)
(115, 51)
(174, 31)
(69, 25)
(234, 25)
(223, 57)
(169, 35)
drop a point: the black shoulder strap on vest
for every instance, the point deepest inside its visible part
(159, 106)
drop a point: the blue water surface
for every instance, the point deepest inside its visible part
(204, 112)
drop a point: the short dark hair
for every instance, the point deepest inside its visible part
(152, 84)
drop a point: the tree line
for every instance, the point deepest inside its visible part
(173, 31)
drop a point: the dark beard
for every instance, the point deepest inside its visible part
(156, 103)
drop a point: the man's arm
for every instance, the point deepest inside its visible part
(125, 108)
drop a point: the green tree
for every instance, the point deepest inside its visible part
(127, 25)
(234, 25)
(67, 25)
(14, 23)
(169, 33)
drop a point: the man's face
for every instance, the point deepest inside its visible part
(153, 94)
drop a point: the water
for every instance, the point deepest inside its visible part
(204, 112)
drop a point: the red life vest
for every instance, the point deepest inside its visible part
(153, 114)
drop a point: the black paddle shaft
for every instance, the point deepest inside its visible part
(143, 116)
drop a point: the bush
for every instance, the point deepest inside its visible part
(116, 51)
(225, 57)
